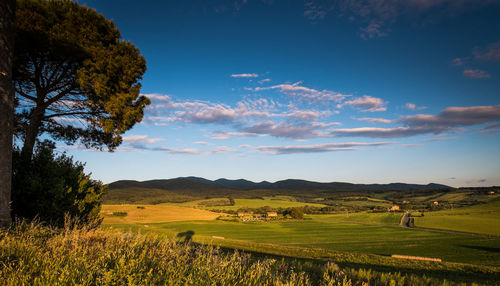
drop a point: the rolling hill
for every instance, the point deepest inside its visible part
(196, 183)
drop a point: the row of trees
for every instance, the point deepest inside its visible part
(65, 73)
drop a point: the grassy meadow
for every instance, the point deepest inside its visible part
(481, 218)
(353, 240)
(32, 254)
(336, 233)
(124, 214)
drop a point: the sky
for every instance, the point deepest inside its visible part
(361, 91)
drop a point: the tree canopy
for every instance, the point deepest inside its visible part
(75, 78)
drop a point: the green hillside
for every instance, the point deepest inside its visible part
(481, 218)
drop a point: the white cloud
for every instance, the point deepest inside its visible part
(264, 80)
(375, 120)
(449, 119)
(328, 147)
(290, 129)
(245, 75)
(223, 135)
(306, 93)
(367, 103)
(374, 132)
(413, 106)
(140, 139)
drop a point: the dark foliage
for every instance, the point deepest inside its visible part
(295, 213)
(48, 187)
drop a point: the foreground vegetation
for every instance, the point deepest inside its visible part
(35, 255)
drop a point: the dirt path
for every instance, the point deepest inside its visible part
(405, 220)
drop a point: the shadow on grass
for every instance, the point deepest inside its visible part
(483, 248)
(187, 235)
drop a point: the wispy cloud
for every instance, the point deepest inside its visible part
(314, 11)
(206, 112)
(328, 147)
(223, 135)
(306, 93)
(458, 62)
(490, 53)
(476, 73)
(413, 106)
(441, 139)
(412, 145)
(375, 17)
(140, 139)
(375, 120)
(449, 119)
(245, 75)
(190, 151)
(456, 117)
(290, 129)
(264, 80)
(367, 103)
(374, 132)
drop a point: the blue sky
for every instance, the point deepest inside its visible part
(362, 91)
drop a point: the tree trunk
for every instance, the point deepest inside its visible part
(7, 16)
(32, 131)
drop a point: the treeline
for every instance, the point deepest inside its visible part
(305, 209)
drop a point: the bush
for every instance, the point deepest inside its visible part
(47, 187)
(122, 214)
(295, 213)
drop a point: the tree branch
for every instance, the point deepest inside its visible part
(25, 95)
(66, 114)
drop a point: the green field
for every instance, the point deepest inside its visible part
(354, 240)
(482, 218)
(360, 233)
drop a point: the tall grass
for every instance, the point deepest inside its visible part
(32, 254)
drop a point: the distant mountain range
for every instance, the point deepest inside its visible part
(193, 183)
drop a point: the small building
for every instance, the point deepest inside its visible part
(436, 203)
(394, 208)
(271, 214)
(243, 214)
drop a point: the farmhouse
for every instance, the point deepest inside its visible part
(242, 214)
(394, 208)
(271, 214)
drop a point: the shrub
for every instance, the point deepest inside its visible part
(295, 213)
(47, 187)
(119, 213)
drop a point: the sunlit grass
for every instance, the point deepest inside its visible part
(153, 213)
